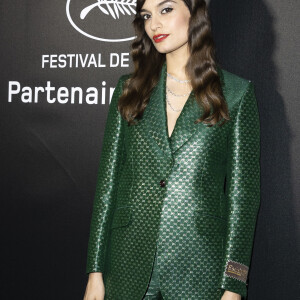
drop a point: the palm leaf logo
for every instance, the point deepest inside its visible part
(111, 7)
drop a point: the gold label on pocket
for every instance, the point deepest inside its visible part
(236, 270)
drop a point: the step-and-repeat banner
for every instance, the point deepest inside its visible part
(60, 62)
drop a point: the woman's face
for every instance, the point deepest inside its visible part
(166, 17)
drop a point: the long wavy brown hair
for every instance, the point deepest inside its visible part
(201, 68)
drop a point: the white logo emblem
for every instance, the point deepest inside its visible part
(112, 8)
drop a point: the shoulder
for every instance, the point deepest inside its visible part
(120, 84)
(124, 77)
(233, 82)
(234, 87)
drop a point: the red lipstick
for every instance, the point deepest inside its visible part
(159, 37)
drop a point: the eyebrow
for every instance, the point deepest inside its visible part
(159, 4)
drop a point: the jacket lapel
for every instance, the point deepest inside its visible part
(156, 116)
(185, 127)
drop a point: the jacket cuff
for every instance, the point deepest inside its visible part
(94, 269)
(235, 278)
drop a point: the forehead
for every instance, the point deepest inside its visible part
(154, 4)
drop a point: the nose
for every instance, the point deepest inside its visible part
(155, 23)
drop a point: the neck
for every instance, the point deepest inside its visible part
(176, 62)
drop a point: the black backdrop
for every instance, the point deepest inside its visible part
(50, 147)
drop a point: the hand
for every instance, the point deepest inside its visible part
(95, 287)
(231, 296)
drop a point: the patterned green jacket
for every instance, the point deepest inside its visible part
(193, 197)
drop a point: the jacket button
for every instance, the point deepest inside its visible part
(162, 183)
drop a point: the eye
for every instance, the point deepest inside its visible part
(169, 9)
(143, 16)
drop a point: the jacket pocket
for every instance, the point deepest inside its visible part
(209, 225)
(122, 217)
(212, 230)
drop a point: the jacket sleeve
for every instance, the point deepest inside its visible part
(242, 193)
(112, 156)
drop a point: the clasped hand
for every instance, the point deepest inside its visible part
(231, 296)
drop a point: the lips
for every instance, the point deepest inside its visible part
(159, 37)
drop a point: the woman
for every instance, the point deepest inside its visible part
(178, 184)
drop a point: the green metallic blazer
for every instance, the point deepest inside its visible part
(193, 198)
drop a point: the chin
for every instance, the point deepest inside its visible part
(162, 51)
(165, 49)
